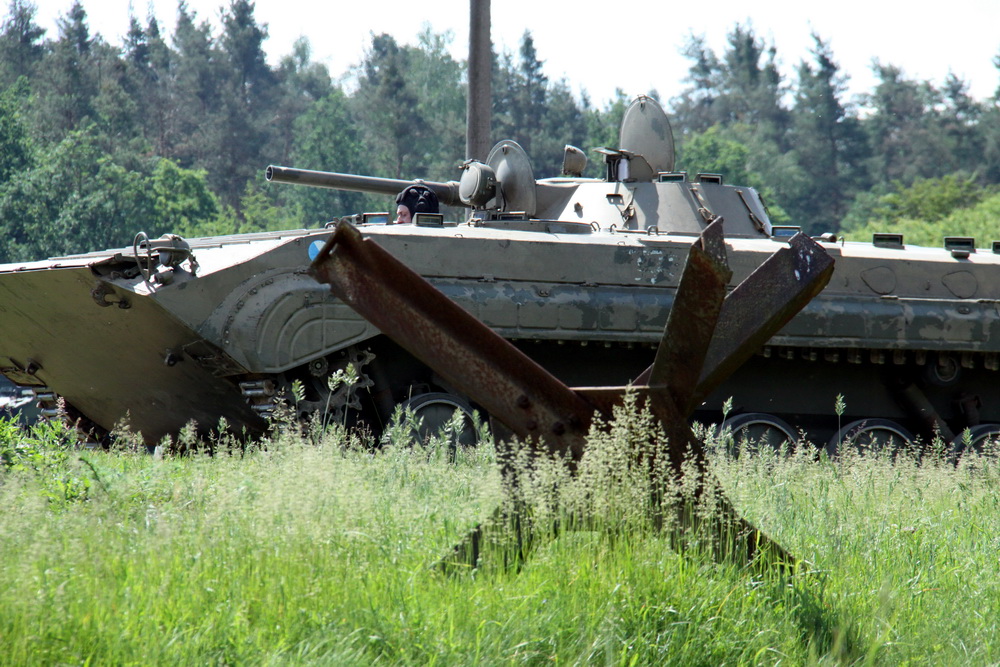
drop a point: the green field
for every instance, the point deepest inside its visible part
(319, 551)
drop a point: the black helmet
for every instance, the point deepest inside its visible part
(419, 199)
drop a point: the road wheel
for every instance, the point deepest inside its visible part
(754, 431)
(433, 414)
(870, 436)
(973, 439)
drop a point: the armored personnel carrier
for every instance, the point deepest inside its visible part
(578, 272)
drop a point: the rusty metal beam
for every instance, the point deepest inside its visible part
(692, 319)
(509, 385)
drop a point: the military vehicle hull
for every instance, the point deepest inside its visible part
(588, 305)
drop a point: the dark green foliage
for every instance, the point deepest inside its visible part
(182, 200)
(927, 200)
(904, 129)
(20, 42)
(743, 86)
(743, 158)
(192, 90)
(15, 144)
(79, 197)
(712, 152)
(327, 139)
(247, 88)
(46, 452)
(540, 116)
(603, 124)
(392, 130)
(172, 132)
(828, 142)
(519, 95)
(302, 84)
(732, 120)
(821, 158)
(67, 80)
(146, 72)
(437, 81)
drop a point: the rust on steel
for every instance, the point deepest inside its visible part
(692, 319)
(757, 309)
(512, 387)
(761, 305)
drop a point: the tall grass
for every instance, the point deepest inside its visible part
(904, 547)
(297, 553)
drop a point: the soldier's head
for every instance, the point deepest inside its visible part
(415, 199)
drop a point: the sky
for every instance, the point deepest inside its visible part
(600, 47)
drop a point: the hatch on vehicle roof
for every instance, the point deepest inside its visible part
(645, 131)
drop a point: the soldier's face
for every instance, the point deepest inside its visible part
(403, 215)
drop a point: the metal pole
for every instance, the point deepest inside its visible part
(479, 103)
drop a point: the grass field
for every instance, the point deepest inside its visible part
(306, 552)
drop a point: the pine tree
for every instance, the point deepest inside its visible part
(829, 144)
(520, 96)
(385, 108)
(438, 84)
(241, 126)
(302, 83)
(66, 81)
(743, 87)
(20, 42)
(961, 119)
(194, 92)
(326, 139)
(540, 116)
(904, 129)
(15, 145)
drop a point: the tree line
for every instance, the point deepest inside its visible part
(170, 133)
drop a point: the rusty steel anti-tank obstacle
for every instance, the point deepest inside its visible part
(709, 333)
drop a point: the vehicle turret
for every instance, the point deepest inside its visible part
(640, 190)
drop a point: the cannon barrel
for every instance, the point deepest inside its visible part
(447, 193)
